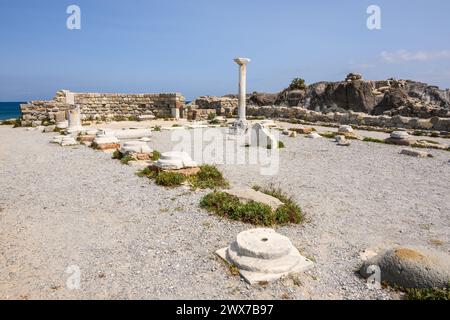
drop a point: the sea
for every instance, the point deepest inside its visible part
(9, 110)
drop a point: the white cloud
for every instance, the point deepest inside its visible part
(407, 56)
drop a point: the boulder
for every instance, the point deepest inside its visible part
(411, 267)
(313, 135)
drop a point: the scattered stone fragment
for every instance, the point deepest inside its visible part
(67, 141)
(345, 129)
(342, 141)
(262, 255)
(313, 135)
(262, 137)
(175, 160)
(249, 194)
(416, 153)
(138, 147)
(302, 130)
(293, 134)
(399, 138)
(411, 267)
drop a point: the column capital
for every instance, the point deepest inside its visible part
(242, 61)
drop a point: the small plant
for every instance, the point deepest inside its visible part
(147, 172)
(117, 155)
(289, 211)
(297, 84)
(428, 294)
(369, 139)
(434, 135)
(226, 205)
(209, 177)
(126, 159)
(157, 128)
(176, 125)
(211, 116)
(169, 179)
(329, 135)
(156, 155)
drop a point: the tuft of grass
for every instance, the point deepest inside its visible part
(428, 294)
(290, 211)
(329, 135)
(117, 155)
(126, 159)
(146, 172)
(157, 128)
(256, 213)
(375, 140)
(156, 155)
(233, 270)
(209, 177)
(169, 179)
(176, 125)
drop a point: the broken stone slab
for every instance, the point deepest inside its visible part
(132, 133)
(345, 129)
(62, 124)
(106, 142)
(262, 137)
(57, 139)
(145, 117)
(68, 141)
(302, 130)
(410, 267)
(262, 255)
(175, 160)
(249, 194)
(342, 141)
(138, 147)
(400, 135)
(313, 135)
(416, 153)
(293, 134)
(49, 129)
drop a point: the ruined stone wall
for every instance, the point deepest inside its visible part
(351, 118)
(103, 105)
(224, 106)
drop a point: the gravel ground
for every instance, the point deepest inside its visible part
(131, 239)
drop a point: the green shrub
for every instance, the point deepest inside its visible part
(329, 135)
(157, 128)
(428, 294)
(156, 155)
(117, 155)
(252, 212)
(297, 84)
(209, 177)
(176, 125)
(289, 211)
(230, 207)
(434, 135)
(147, 172)
(211, 116)
(169, 179)
(126, 159)
(369, 139)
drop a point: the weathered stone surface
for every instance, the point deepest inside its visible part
(262, 255)
(411, 267)
(260, 136)
(138, 147)
(416, 153)
(68, 141)
(175, 160)
(248, 194)
(313, 135)
(345, 129)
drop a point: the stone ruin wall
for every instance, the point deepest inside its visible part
(101, 106)
(351, 118)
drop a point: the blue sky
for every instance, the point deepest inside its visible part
(188, 46)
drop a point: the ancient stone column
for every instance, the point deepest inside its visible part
(74, 119)
(242, 62)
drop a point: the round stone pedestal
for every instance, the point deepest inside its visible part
(262, 255)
